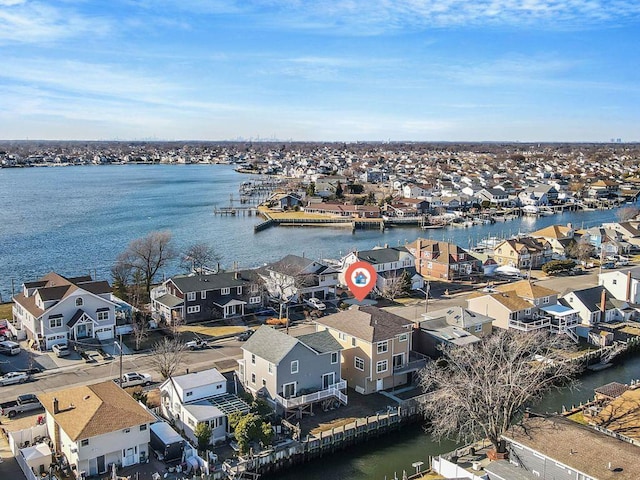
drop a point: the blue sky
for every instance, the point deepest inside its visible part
(326, 70)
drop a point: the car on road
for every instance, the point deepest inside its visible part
(24, 403)
(9, 348)
(315, 303)
(61, 350)
(12, 378)
(244, 336)
(133, 379)
(196, 344)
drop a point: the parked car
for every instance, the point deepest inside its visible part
(197, 344)
(244, 336)
(23, 403)
(133, 379)
(9, 348)
(61, 350)
(315, 303)
(13, 377)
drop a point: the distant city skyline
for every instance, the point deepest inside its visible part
(351, 70)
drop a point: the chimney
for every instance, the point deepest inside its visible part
(56, 406)
(628, 286)
(603, 303)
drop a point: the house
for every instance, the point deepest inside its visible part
(344, 210)
(196, 297)
(377, 348)
(55, 309)
(389, 262)
(325, 186)
(603, 189)
(493, 197)
(523, 252)
(456, 326)
(620, 413)
(628, 232)
(558, 236)
(442, 260)
(553, 447)
(538, 195)
(416, 191)
(292, 373)
(622, 285)
(284, 201)
(202, 397)
(96, 426)
(594, 305)
(294, 277)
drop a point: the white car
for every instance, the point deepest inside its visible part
(133, 379)
(315, 303)
(61, 350)
(13, 377)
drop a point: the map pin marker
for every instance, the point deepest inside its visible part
(361, 278)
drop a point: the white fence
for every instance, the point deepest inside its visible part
(26, 469)
(332, 391)
(19, 438)
(450, 470)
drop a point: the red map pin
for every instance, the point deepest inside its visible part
(361, 278)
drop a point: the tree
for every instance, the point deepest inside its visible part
(167, 355)
(397, 286)
(478, 391)
(627, 213)
(148, 255)
(582, 250)
(140, 328)
(198, 256)
(339, 191)
(202, 433)
(121, 275)
(252, 428)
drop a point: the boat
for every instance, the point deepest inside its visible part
(530, 210)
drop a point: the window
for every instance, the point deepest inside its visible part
(353, 341)
(239, 290)
(614, 281)
(254, 300)
(84, 443)
(203, 294)
(270, 368)
(253, 378)
(193, 309)
(254, 288)
(103, 316)
(215, 423)
(126, 430)
(478, 328)
(143, 427)
(191, 422)
(188, 394)
(527, 311)
(382, 366)
(545, 300)
(264, 382)
(403, 337)
(55, 322)
(383, 346)
(79, 302)
(191, 296)
(253, 358)
(342, 336)
(225, 291)
(429, 265)
(334, 357)
(358, 363)
(294, 366)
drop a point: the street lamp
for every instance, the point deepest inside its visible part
(426, 295)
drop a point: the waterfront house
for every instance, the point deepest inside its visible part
(202, 397)
(495, 197)
(553, 447)
(622, 285)
(344, 210)
(197, 297)
(389, 262)
(523, 252)
(559, 238)
(377, 348)
(603, 188)
(325, 186)
(293, 277)
(618, 412)
(442, 260)
(595, 305)
(292, 373)
(412, 190)
(55, 309)
(283, 201)
(97, 425)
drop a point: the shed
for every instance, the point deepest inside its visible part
(38, 457)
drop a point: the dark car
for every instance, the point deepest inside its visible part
(244, 336)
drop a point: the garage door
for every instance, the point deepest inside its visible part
(104, 333)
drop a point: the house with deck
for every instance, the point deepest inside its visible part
(377, 348)
(194, 398)
(523, 252)
(55, 309)
(96, 426)
(294, 277)
(443, 260)
(293, 373)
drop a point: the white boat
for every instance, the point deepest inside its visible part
(530, 210)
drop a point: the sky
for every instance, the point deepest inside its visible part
(325, 70)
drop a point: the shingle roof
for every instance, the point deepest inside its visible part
(97, 287)
(91, 410)
(370, 324)
(592, 297)
(527, 289)
(459, 316)
(578, 446)
(511, 301)
(321, 342)
(216, 281)
(198, 379)
(270, 344)
(552, 231)
(381, 255)
(612, 389)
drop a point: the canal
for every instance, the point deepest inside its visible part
(389, 455)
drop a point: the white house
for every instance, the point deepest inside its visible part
(55, 309)
(622, 285)
(202, 397)
(97, 425)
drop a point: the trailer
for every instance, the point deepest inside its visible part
(166, 442)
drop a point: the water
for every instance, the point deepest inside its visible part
(75, 220)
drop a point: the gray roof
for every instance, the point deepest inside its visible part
(53, 293)
(459, 316)
(216, 281)
(505, 470)
(444, 332)
(370, 324)
(321, 342)
(270, 344)
(381, 255)
(97, 287)
(197, 379)
(169, 300)
(592, 297)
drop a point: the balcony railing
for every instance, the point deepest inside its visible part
(331, 391)
(416, 361)
(529, 325)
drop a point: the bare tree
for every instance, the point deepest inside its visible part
(121, 275)
(582, 249)
(478, 391)
(140, 328)
(148, 255)
(396, 286)
(627, 213)
(198, 256)
(167, 355)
